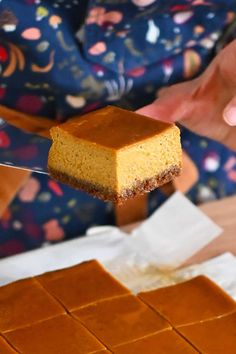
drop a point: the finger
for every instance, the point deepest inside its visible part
(173, 105)
(169, 108)
(231, 141)
(156, 110)
(162, 91)
(229, 113)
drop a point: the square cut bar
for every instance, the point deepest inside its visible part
(81, 285)
(120, 320)
(5, 348)
(195, 300)
(217, 336)
(62, 334)
(115, 154)
(25, 302)
(165, 342)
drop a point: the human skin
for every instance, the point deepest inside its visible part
(205, 105)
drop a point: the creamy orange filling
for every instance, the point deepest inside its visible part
(115, 169)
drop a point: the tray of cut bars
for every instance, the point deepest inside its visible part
(85, 310)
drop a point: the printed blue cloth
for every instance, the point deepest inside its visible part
(60, 58)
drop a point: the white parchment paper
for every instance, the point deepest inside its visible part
(146, 259)
(175, 232)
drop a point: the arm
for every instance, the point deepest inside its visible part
(205, 105)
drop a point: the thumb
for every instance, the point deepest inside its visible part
(229, 113)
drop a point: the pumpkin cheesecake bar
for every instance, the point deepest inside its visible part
(5, 347)
(216, 336)
(24, 303)
(81, 285)
(120, 320)
(195, 300)
(165, 342)
(58, 335)
(115, 154)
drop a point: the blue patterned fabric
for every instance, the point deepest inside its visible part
(60, 58)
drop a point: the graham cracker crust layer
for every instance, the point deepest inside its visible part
(97, 191)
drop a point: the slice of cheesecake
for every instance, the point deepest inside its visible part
(115, 154)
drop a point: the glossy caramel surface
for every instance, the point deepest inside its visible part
(192, 301)
(102, 314)
(81, 285)
(216, 336)
(60, 335)
(166, 342)
(5, 348)
(113, 127)
(120, 320)
(25, 302)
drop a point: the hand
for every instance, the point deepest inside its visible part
(205, 105)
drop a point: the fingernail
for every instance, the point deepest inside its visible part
(230, 115)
